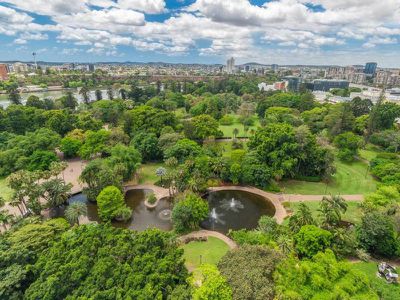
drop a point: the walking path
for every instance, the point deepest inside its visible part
(207, 233)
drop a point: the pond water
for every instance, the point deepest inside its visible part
(228, 210)
(236, 210)
(142, 217)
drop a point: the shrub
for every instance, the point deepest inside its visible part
(110, 202)
(151, 198)
(189, 212)
(311, 239)
(227, 120)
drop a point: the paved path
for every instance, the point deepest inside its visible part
(207, 233)
(299, 197)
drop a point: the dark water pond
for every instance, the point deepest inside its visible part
(236, 210)
(228, 210)
(142, 217)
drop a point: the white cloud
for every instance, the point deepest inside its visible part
(147, 6)
(223, 28)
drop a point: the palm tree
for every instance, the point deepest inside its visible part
(160, 172)
(56, 192)
(74, 211)
(18, 203)
(331, 209)
(84, 92)
(302, 217)
(285, 244)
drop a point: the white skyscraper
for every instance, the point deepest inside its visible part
(230, 65)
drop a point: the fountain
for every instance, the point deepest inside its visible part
(235, 210)
(165, 214)
(233, 205)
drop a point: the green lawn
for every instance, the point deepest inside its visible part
(147, 173)
(210, 252)
(352, 178)
(228, 129)
(5, 191)
(385, 291)
(353, 213)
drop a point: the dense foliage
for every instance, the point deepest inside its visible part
(249, 270)
(322, 277)
(98, 261)
(188, 212)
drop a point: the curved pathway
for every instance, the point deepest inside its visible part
(207, 233)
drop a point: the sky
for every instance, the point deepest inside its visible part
(321, 32)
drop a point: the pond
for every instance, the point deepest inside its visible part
(236, 210)
(142, 217)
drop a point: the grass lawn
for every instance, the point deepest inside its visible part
(228, 129)
(5, 191)
(210, 251)
(353, 213)
(147, 173)
(385, 291)
(352, 178)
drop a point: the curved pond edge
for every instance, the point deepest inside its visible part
(158, 191)
(280, 212)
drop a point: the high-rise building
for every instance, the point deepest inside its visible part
(3, 72)
(357, 78)
(370, 68)
(292, 83)
(326, 84)
(230, 65)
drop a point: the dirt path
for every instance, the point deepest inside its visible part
(207, 233)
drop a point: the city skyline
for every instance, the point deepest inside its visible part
(286, 32)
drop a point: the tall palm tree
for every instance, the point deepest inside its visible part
(74, 211)
(17, 203)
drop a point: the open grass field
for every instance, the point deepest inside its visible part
(353, 213)
(147, 173)
(210, 251)
(5, 191)
(369, 152)
(228, 129)
(385, 291)
(350, 178)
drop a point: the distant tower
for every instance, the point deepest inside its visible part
(230, 65)
(370, 68)
(34, 59)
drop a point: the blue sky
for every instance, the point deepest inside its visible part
(202, 31)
